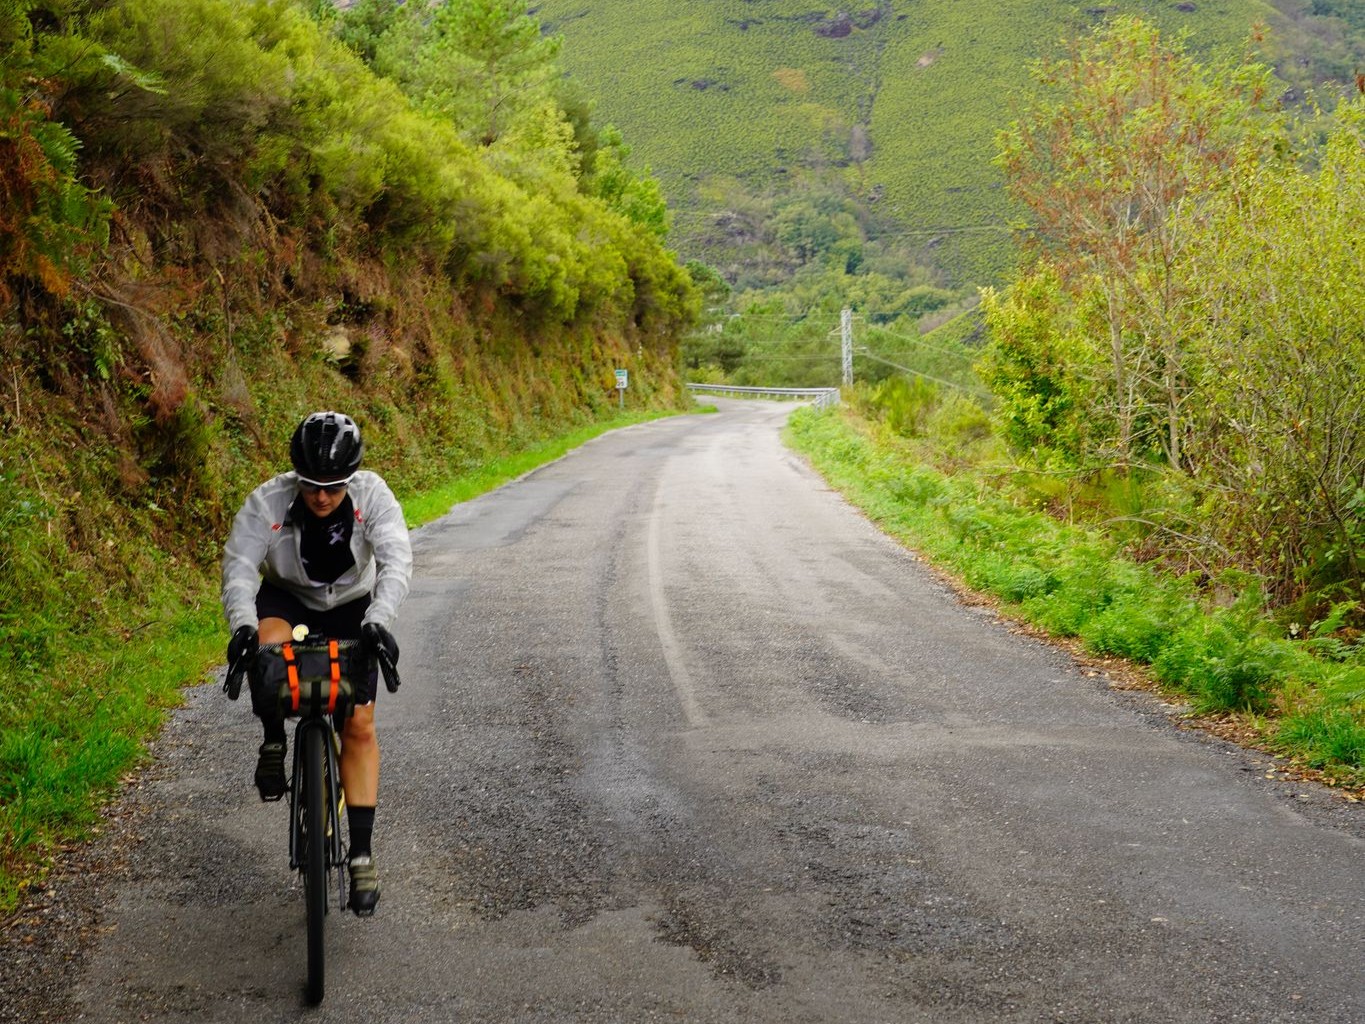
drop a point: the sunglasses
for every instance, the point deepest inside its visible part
(313, 487)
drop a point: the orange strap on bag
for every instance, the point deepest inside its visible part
(335, 655)
(292, 672)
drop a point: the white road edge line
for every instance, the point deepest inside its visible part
(663, 624)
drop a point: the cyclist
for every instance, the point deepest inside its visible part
(324, 546)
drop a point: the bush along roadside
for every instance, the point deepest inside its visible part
(72, 734)
(1209, 642)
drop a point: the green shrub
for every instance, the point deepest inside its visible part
(914, 485)
(1224, 661)
(958, 420)
(1017, 580)
(1138, 626)
(905, 404)
(1325, 737)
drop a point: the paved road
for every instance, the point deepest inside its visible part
(683, 738)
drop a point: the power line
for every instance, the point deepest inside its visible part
(977, 392)
(808, 358)
(863, 350)
(813, 320)
(754, 342)
(785, 318)
(922, 342)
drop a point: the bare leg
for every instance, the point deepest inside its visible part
(360, 758)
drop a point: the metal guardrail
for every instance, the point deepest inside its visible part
(822, 397)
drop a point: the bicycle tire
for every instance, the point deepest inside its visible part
(315, 856)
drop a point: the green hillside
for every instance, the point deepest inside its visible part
(735, 97)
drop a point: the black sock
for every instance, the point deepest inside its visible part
(274, 730)
(361, 823)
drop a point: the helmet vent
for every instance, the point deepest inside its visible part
(326, 445)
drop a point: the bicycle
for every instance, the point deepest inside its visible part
(310, 679)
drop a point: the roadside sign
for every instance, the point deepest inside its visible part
(622, 377)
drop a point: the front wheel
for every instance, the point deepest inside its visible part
(315, 855)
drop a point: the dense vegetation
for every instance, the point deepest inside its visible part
(221, 214)
(1189, 306)
(735, 101)
(1172, 463)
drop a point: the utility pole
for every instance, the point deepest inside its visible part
(846, 332)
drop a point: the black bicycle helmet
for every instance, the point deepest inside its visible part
(326, 446)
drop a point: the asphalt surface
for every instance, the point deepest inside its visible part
(682, 737)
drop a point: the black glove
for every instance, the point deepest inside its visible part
(241, 650)
(380, 644)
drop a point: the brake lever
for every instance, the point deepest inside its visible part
(232, 684)
(390, 670)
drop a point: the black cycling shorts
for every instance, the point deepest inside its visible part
(339, 623)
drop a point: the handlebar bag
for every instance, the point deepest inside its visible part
(303, 679)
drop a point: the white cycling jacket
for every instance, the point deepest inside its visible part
(264, 543)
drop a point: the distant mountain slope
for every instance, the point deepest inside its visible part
(905, 95)
(706, 89)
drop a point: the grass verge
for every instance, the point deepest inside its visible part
(70, 737)
(1213, 645)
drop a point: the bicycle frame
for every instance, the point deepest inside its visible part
(291, 678)
(306, 680)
